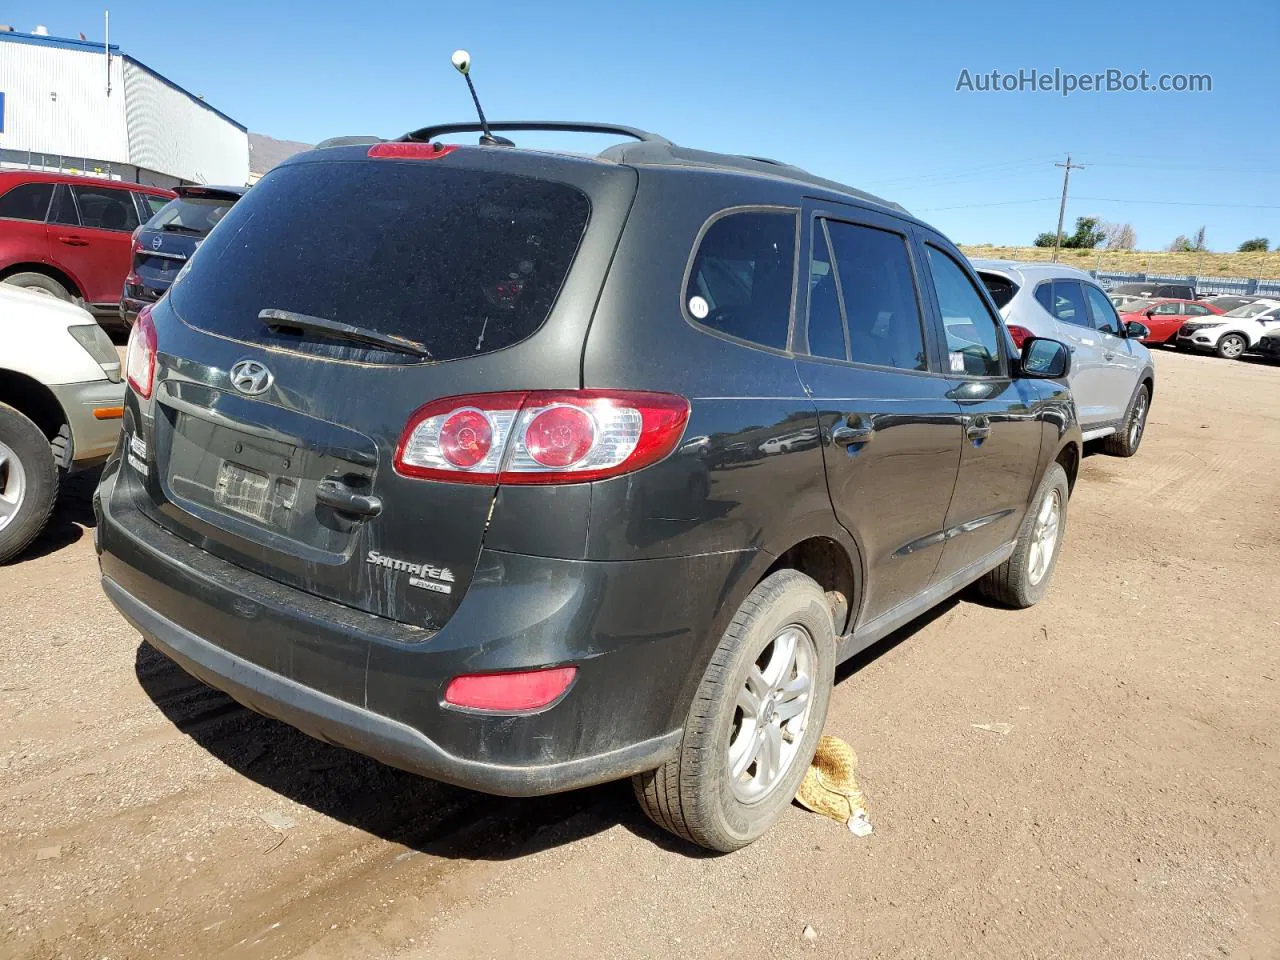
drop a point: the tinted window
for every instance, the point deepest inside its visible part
(459, 261)
(194, 216)
(1001, 288)
(1068, 303)
(1165, 309)
(64, 208)
(1044, 295)
(826, 323)
(879, 294)
(972, 332)
(1104, 314)
(153, 204)
(105, 208)
(743, 277)
(27, 201)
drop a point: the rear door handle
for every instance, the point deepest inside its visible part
(978, 429)
(336, 494)
(1108, 355)
(73, 241)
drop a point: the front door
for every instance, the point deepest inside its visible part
(1001, 433)
(891, 436)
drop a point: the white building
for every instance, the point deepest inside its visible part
(80, 107)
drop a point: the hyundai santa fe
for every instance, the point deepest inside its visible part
(527, 470)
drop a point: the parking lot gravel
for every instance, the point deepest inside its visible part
(1098, 776)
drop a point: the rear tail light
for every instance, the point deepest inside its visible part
(507, 692)
(540, 436)
(140, 356)
(1019, 334)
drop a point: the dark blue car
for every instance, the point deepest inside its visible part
(164, 243)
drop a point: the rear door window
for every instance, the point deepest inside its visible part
(27, 201)
(826, 320)
(743, 277)
(459, 261)
(1195, 310)
(878, 291)
(64, 208)
(1068, 303)
(973, 333)
(1044, 295)
(106, 209)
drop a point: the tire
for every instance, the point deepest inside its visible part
(693, 794)
(39, 283)
(1016, 583)
(1232, 346)
(1125, 441)
(28, 482)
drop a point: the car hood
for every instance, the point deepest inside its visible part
(41, 308)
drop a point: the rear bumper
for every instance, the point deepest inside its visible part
(376, 686)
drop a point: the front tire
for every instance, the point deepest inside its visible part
(28, 482)
(755, 720)
(39, 283)
(1232, 346)
(1023, 579)
(1125, 441)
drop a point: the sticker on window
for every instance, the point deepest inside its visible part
(957, 361)
(699, 307)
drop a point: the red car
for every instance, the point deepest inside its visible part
(1164, 317)
(69, 236)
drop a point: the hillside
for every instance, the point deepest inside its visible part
(1261, 265)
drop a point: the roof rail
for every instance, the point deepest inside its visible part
(559, 126)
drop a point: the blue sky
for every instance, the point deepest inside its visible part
(860, 92)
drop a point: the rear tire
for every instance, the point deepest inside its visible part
(1023, 579)
(28, 482)
(1126, 440)
(748, 687)
(39, 283)
(1232, 346)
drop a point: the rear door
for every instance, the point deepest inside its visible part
(1121, 357)
(23, 210)
(1001, 430)
(891, 434)
(91, 237)
(488, 261)
(1088, 377)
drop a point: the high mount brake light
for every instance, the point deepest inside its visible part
(540, 436)
(396, 150)
(140, 355)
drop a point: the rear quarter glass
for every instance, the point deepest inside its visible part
(461, 261)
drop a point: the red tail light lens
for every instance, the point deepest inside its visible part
(140, 355)
(411, 151)
(1019, 334)
(542, 436)
(509, 692)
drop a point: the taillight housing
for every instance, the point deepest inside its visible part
(1019, 334)
(540, 436)
(140, 355)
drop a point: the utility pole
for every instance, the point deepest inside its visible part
(1062, 209)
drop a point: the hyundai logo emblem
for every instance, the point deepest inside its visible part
(155, 243)
(251, 378)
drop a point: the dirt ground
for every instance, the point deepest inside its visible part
(1130, 809)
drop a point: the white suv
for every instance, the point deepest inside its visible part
(1233, 333)
(1111, 377)
(61, 402)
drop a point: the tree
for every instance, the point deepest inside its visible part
(1087, 235)
(1197, 242)
(1180, 244)
(1256, 245)
(1119, 236)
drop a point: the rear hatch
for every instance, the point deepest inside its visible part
(164, 243)
(472, 272)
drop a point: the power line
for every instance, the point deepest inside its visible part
(1185, 203)
(995, 203)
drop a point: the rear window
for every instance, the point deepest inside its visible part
(194, 216)
(462, 262)
(1001, 288)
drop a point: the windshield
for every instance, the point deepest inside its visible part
(1249, 310)
(460, 261)
(194, 215)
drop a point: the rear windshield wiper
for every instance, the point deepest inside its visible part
(181, 228)
(286, 321)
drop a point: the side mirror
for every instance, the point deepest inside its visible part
(1150, 311)
(1044, 359)
(1136, 331)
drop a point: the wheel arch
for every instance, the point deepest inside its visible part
(34, 401)
(48, 270)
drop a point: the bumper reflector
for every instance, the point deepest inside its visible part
(508, 692)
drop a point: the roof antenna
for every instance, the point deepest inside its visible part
(462, 63)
